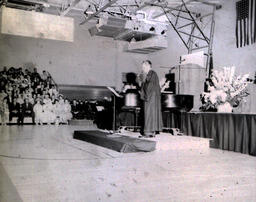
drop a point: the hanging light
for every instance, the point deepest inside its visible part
(152, 29)
(88, 11)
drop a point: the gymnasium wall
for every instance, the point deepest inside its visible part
(86, 61)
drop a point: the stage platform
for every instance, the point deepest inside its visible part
(117, 142)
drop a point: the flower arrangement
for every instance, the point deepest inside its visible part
(225, 89)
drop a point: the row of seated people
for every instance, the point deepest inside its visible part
(43, 111)
(86, 109)
(101, 112)
(83, 109)
(27, 93)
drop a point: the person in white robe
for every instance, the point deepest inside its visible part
(61, 110)
(57, 112)
(67, 111)
(38, 110)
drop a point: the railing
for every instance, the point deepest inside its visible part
(84, 92)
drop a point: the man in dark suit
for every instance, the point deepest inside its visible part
(27, 111)
(15, 110)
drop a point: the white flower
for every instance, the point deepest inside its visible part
(226, 86)
(232, 95)
(232, 73)
(213, 99)
(223, 96)
(211, 88)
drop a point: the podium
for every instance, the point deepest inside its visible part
(190, 85)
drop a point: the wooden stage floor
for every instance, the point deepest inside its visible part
(44, 163)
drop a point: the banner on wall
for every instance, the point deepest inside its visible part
(37, 25)
(245, 22)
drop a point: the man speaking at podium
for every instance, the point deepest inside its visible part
(151, 96)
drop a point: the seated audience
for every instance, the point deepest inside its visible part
(22, 89)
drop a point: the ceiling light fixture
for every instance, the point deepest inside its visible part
(88, 11)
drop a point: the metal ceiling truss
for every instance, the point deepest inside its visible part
(66, 10)
(189, 26)
(111, 2)
(113, 7)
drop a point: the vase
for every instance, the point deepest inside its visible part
(226, 108)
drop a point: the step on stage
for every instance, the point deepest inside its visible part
(116, 142)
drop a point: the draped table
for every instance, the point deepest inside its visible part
(229, 131)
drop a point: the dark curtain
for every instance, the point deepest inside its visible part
(233, 132)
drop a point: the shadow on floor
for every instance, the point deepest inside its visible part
(8, 192)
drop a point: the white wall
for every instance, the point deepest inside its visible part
(86, 61)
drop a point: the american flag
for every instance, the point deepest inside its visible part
(245, 22)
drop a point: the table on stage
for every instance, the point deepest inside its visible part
(229, 131)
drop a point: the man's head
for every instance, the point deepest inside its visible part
(146, 66)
